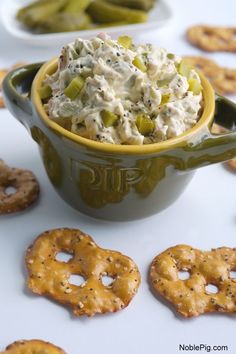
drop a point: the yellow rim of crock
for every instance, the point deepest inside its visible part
(181, 140)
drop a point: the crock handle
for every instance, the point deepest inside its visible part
(225, 113)
(216, 147)
(16, 92)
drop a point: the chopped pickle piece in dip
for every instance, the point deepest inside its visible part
(164, 82)
(144, 124)
(138, 62)
(125, 41)
(117, 92)
(184, 69)
(109, 118)
(45, 92)
(170, 56)
(74, 88)
(195, 86)
(165, 98)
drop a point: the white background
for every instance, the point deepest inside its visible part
(204, 217)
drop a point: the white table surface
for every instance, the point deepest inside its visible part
(204, 217)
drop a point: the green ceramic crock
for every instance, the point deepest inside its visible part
(118, 182)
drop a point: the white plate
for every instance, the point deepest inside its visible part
(157, 18)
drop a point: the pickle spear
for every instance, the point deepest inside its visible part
(35, 13)
(76, 6)
(145, 5)
(65, 22)
(103, 12)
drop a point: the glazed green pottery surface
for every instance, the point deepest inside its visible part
(118, 182)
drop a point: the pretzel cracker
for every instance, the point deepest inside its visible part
(50, 277)
(190, 297)
(33, 346)
(26, 189)
(210, 38)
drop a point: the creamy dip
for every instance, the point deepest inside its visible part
(118, 93)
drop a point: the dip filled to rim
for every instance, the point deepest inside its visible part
(118, 93)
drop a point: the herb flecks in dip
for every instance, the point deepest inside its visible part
(118, 93)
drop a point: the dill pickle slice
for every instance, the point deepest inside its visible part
(145, 5)
(138, 62)
(45, 92)
(144, 124)
(35, 13)
(125, 41)
(76, 6)
(165, 98)
(73, 89)
(194, 86)
(103, 12)
(108, 118)
(184, 69)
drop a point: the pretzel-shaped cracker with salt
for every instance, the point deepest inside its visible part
(191, 296)
(213, 39)
(33, 346)
(26, 189)
(50, 277)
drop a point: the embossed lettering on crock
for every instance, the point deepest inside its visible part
(107, 178)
